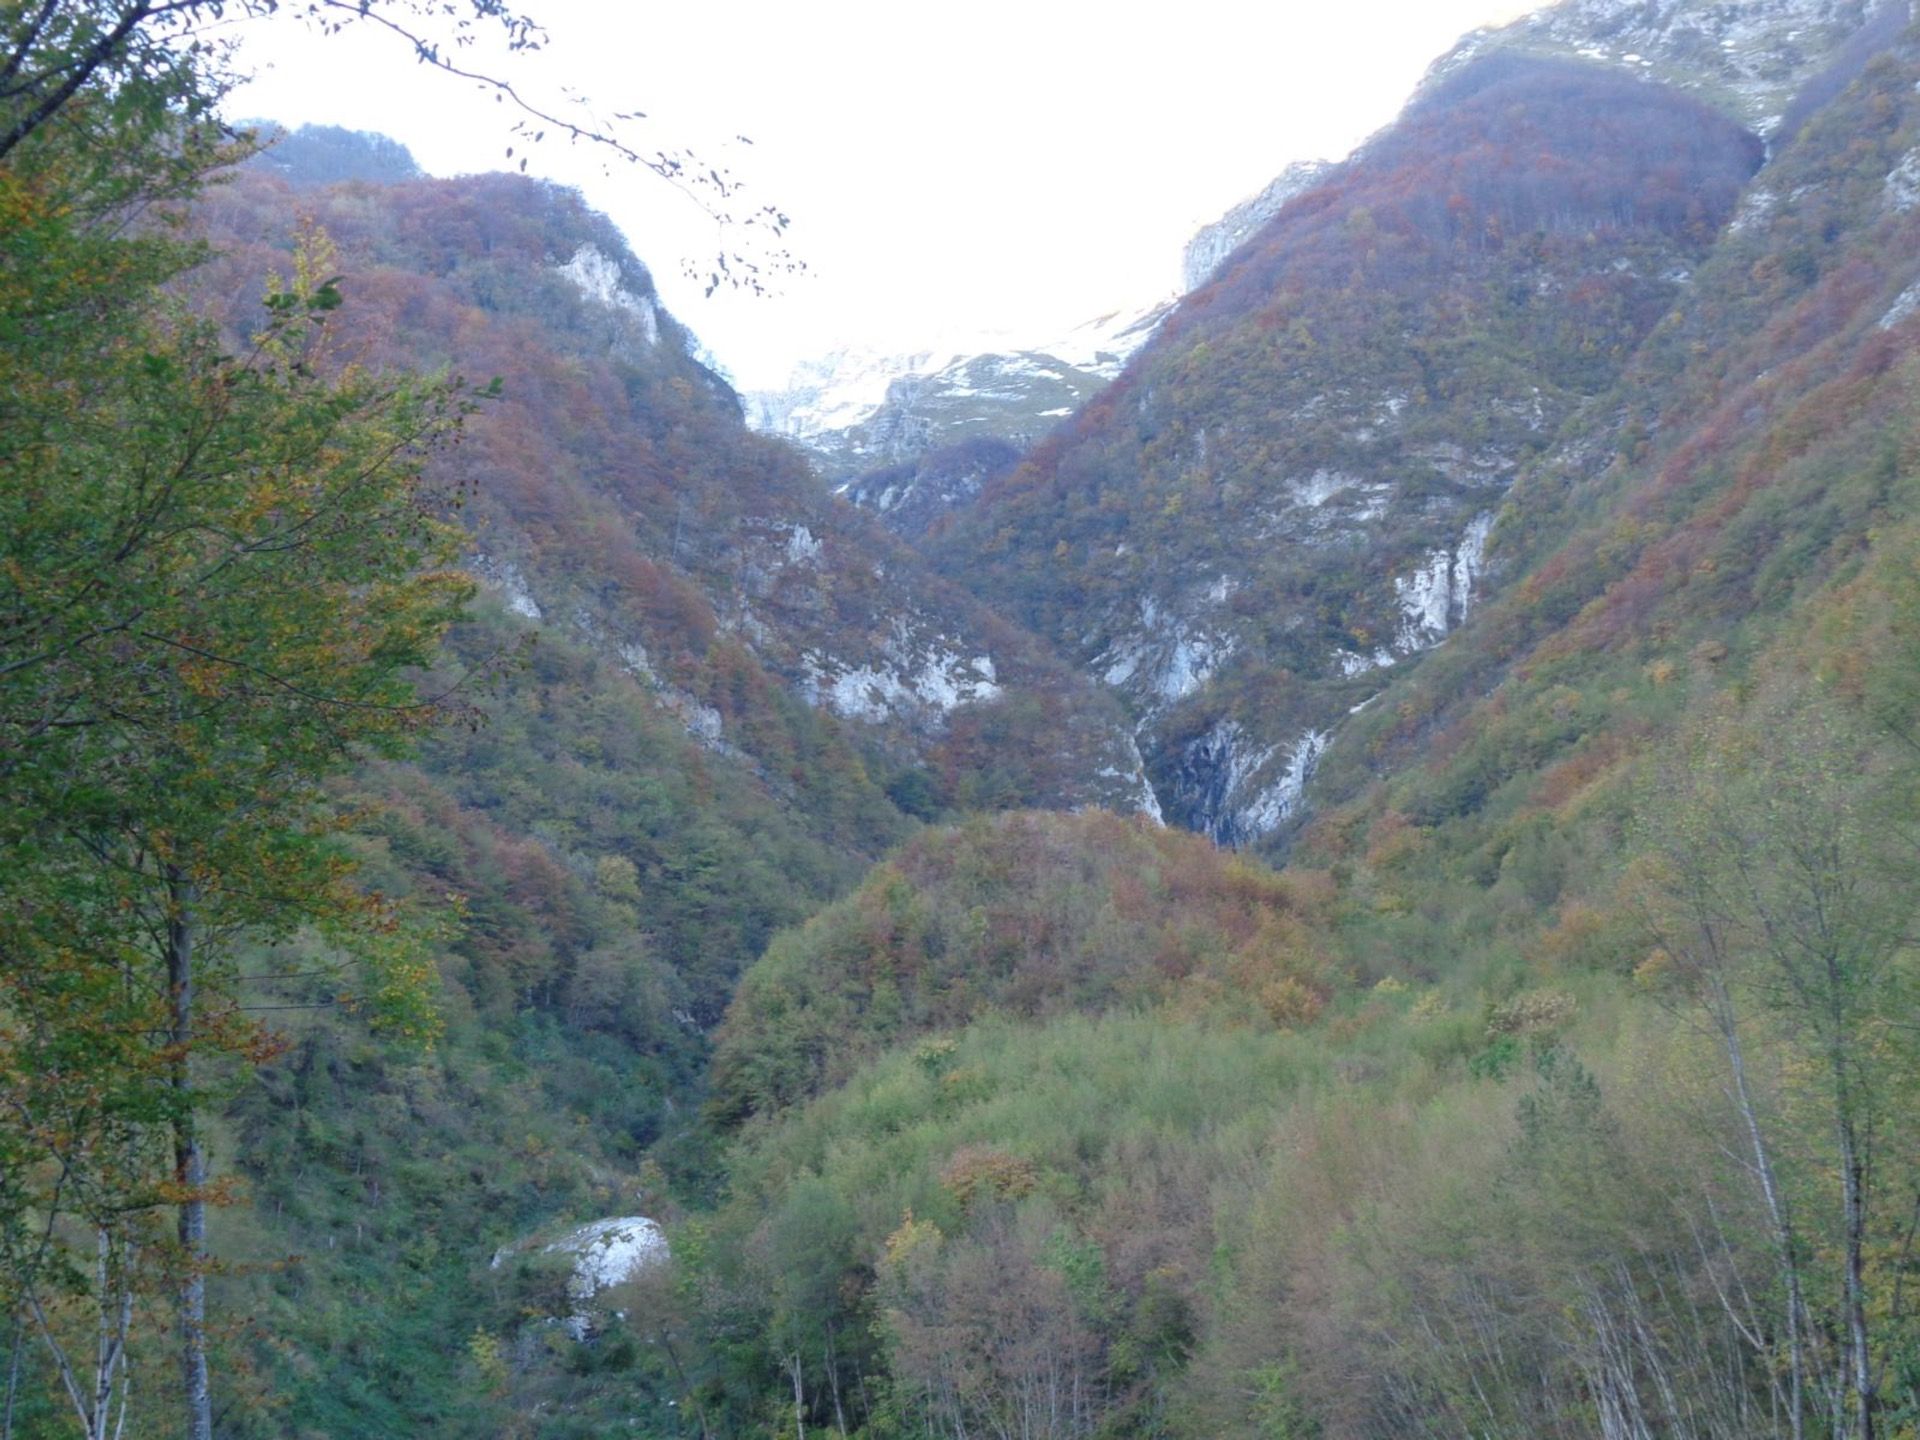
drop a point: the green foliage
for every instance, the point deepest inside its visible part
(224, 573)
(1028, 915)
(1509, 1186)
(1056, 1123)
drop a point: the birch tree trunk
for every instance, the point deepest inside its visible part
(190, 1168)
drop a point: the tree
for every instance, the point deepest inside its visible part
(222, 569)
(1784, 903)
(985, 1338)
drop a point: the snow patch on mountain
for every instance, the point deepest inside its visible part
(859, 408)
(1103, 346)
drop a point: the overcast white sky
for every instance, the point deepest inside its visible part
(1012, 166)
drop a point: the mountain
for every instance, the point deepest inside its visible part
(1515, 495)
(856, 410)
(911, 498)
(621, 501)
(1289, 491)
(703, 695)
(1476, 1117)
(1508, 560)
(329, 154)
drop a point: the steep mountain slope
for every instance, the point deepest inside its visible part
(1066, 1124)
(619, 499)
(1290, 489)
(912, 498)
(1213, 243)
(1738, 470)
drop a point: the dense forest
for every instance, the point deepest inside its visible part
(1364, 886)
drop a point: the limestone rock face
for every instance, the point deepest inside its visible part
(605, 1253)
(1213, 243)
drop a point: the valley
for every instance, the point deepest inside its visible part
(1332, 857)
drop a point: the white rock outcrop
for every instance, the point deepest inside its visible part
(1436, 597)
(605, 1253)
(1753, 55)
(912, 678)
(1212, 244)
(598, 276)
(1903, 184)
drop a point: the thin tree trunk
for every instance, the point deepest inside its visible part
(190, 1166)
(13, 1375)
(1860, 1361)
(1729, 1028)
(93, 1403)
(833, 1382)
(691, 1395)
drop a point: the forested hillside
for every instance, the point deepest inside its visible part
(719, 694)
(1322, 433)
(526, 914)
(1571, 1075)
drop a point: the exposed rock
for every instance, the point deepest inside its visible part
(1299, 485)
(1905, 304)
(1163, 658)
(1146, 802)
(505, 577)
(598, 276)
(911, 498)
(1237, 791)
(1213, 243)
(605, 1253)
(1903, 184)
(1750, 57)
(1437, 596)
(855, 410)
(917, 677)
